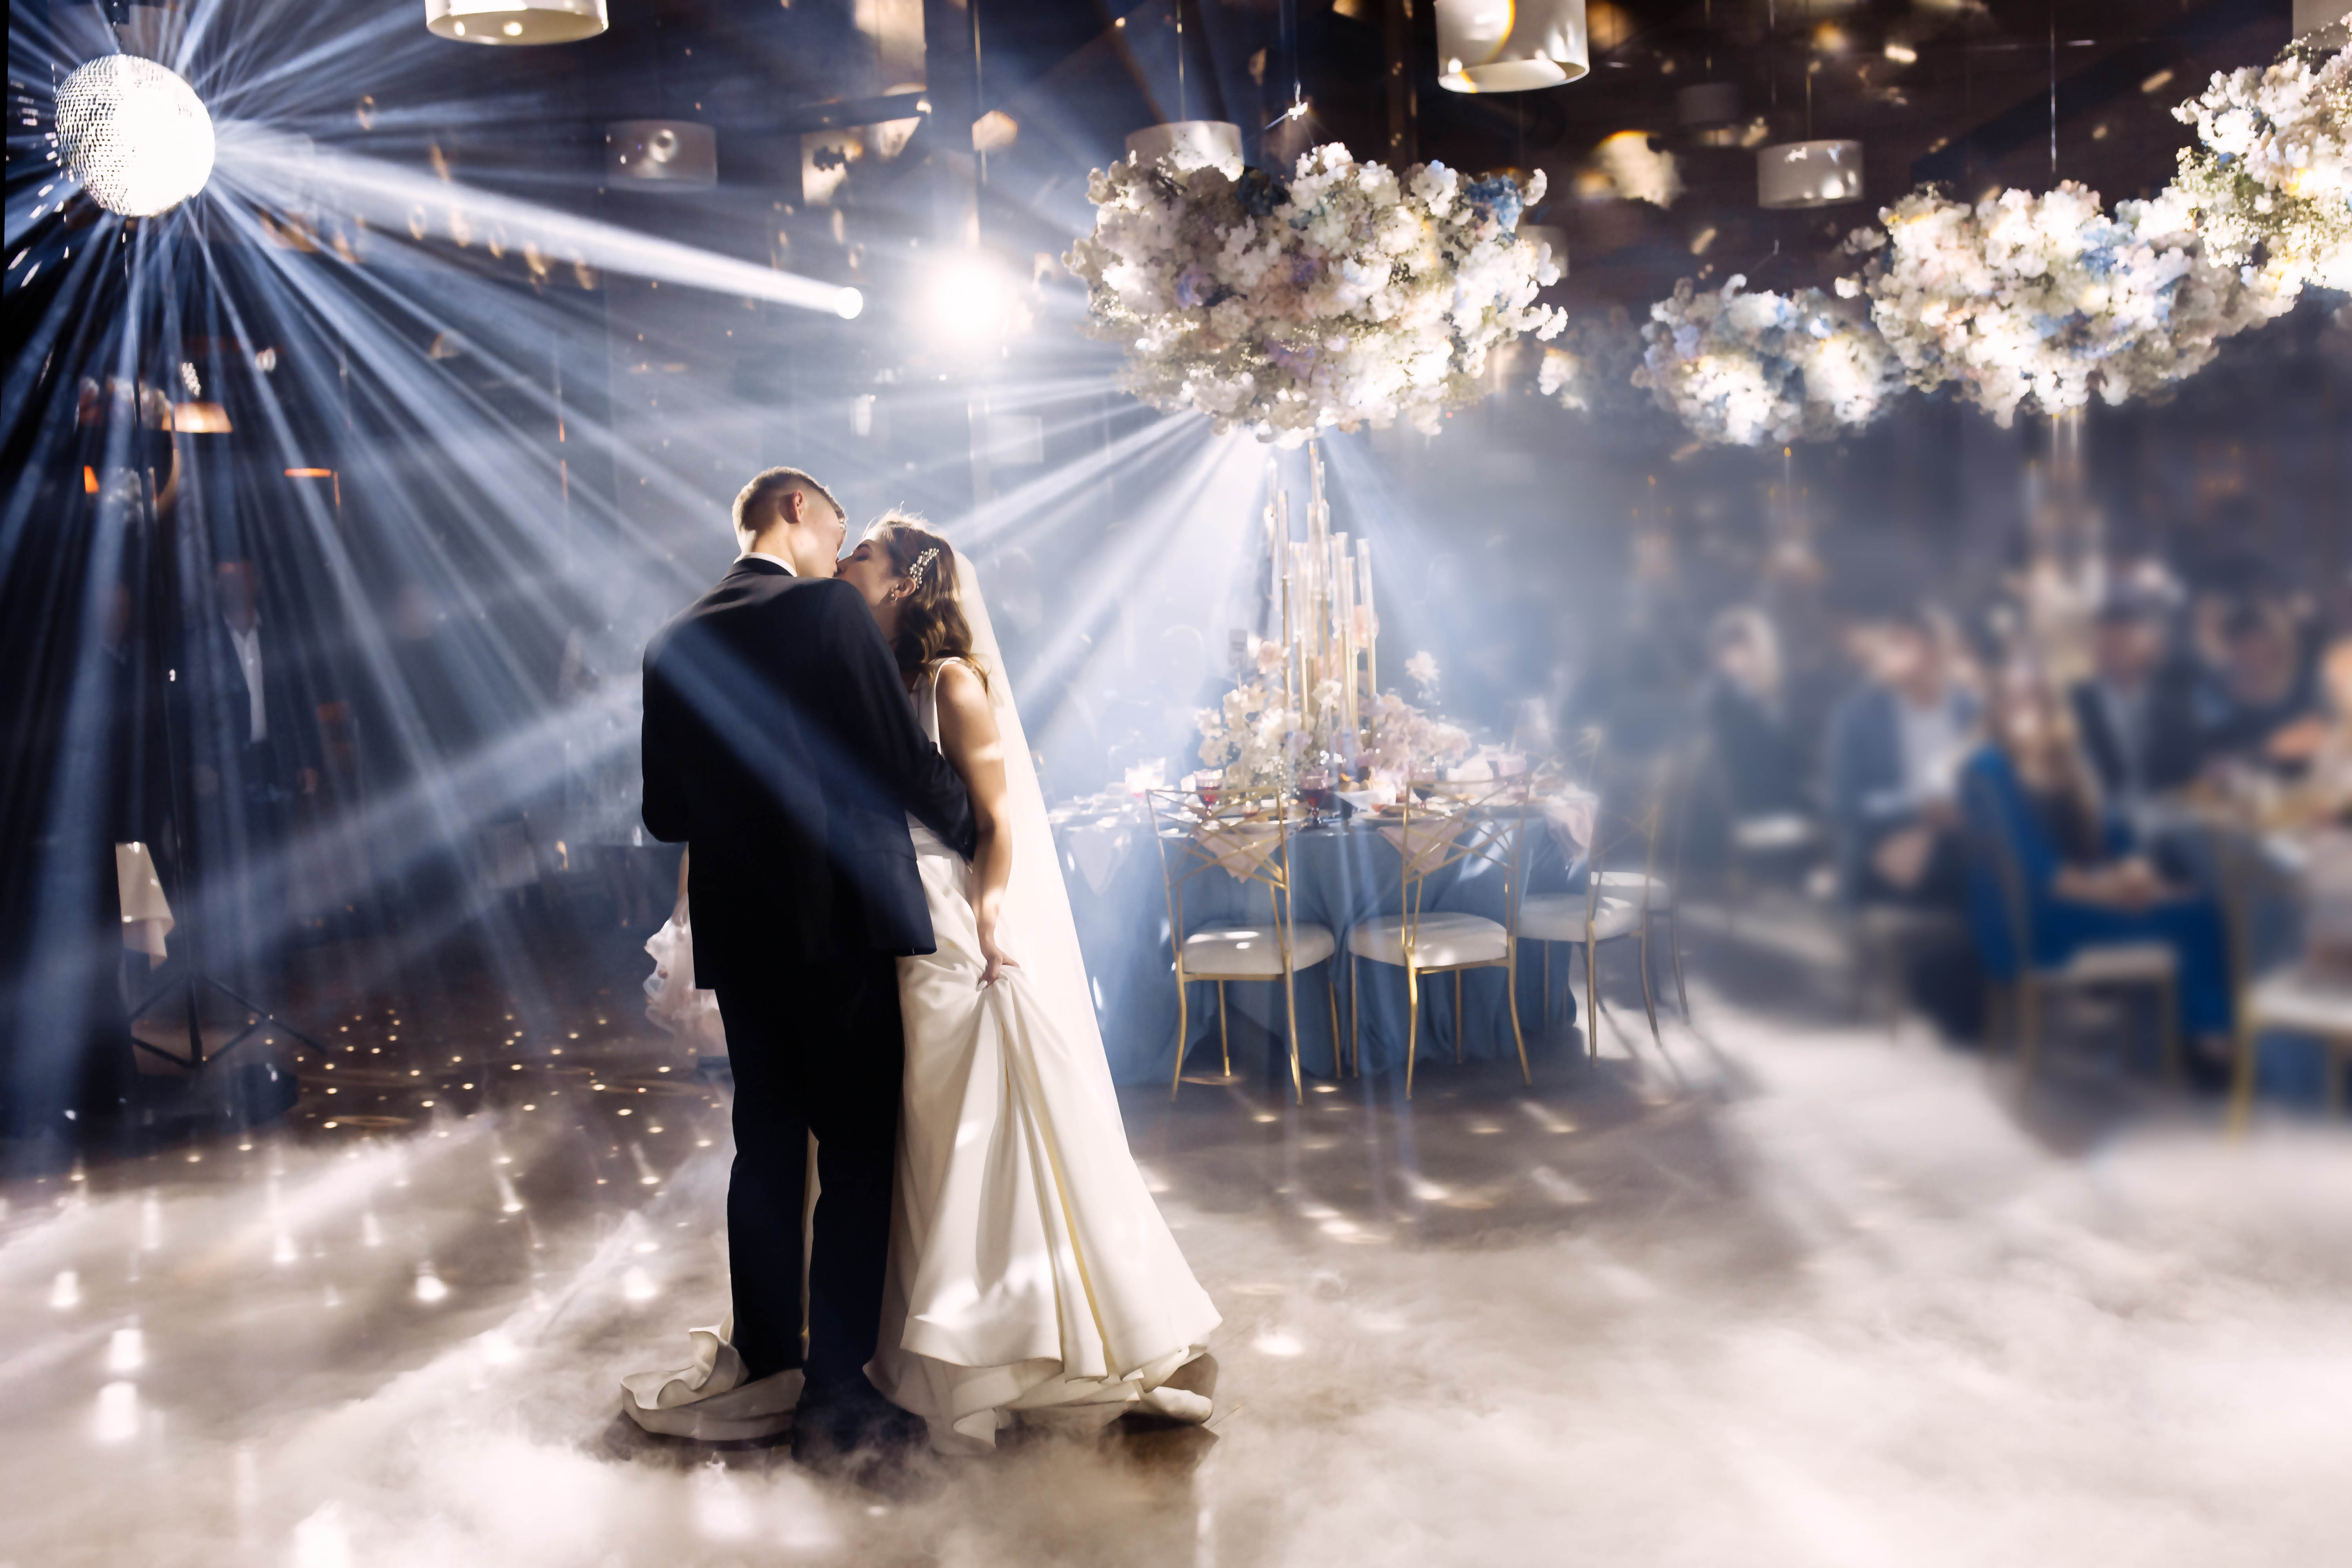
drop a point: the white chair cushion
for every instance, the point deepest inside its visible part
(1628, 884)
(1784, 831)
(1560, 917)
(2300, 1004)
(1253, 952)
(1440, 940)
(2115, 963)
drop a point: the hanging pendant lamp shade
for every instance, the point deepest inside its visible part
(1495, 45)
(515, 21)
(1809, 173)
(1190, 144)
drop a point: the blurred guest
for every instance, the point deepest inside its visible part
(2321, 742)
(2035, 805)
(254, 733)
(1895, 749)
(2262, 686)
(1747, 719)
(2133, 714)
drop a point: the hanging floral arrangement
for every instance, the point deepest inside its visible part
(1346, 295)
(2270, 180)
(2043, 298)
(1742, 369)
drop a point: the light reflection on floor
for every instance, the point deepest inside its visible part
(1837, 1306)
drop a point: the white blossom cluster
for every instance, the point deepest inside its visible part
(1248, 735)
(1352, 295)
(2047, 297)
(1741, 368)
(1402, 740)
(2271, 177)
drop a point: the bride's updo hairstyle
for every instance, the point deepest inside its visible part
(931, 624)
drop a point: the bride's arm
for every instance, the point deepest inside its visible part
(968, 734)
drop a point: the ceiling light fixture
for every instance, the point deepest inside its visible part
(515, 21)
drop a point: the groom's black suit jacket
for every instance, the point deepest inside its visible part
(780, 744)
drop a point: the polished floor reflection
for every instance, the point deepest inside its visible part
(1806, 1297)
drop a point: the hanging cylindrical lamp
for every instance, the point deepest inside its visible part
(1809, 173)
(1496, 45)
(1190, 144)
(515, 21)
(677, 152)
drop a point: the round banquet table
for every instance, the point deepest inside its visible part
(1341, 873)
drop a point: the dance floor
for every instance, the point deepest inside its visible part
(1823, 1299)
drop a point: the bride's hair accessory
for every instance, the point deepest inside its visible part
(915, 572)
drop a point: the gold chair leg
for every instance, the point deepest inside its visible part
(1183, 1033)
(1411, 1024)
(1331, 990)
(1291, 1004)
(1591, 998)
(1225, 1037)
(1511, 983)
(2169, 998)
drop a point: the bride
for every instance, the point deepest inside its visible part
(1030, 1277)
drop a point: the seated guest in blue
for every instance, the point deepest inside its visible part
(2031, 798)
(1895, 749)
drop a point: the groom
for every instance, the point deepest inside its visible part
(780, 746)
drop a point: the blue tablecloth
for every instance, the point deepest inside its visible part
(1341, 875)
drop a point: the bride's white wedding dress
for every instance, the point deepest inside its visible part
(1031, 1277)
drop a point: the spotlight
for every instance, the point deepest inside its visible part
(847, 304)
(968, 301)
(134, 134)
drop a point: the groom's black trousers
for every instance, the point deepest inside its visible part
(816, 1047)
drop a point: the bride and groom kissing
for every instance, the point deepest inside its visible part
(933, 1220)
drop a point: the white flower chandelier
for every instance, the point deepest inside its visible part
(2271, 177)
(2033, 300)
(1351, 296)
(1743, 369)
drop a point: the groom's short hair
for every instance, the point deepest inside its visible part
(776, 482)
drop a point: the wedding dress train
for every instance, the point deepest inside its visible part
(1030, 1276)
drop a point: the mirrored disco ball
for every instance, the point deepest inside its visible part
(134, 134)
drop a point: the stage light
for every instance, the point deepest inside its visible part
(134, 134)
(968, 301)
(515, 21)
(847, 304)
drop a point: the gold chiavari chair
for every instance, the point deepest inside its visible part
(1614, 905)
(1245, 835)
(1485, 821)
